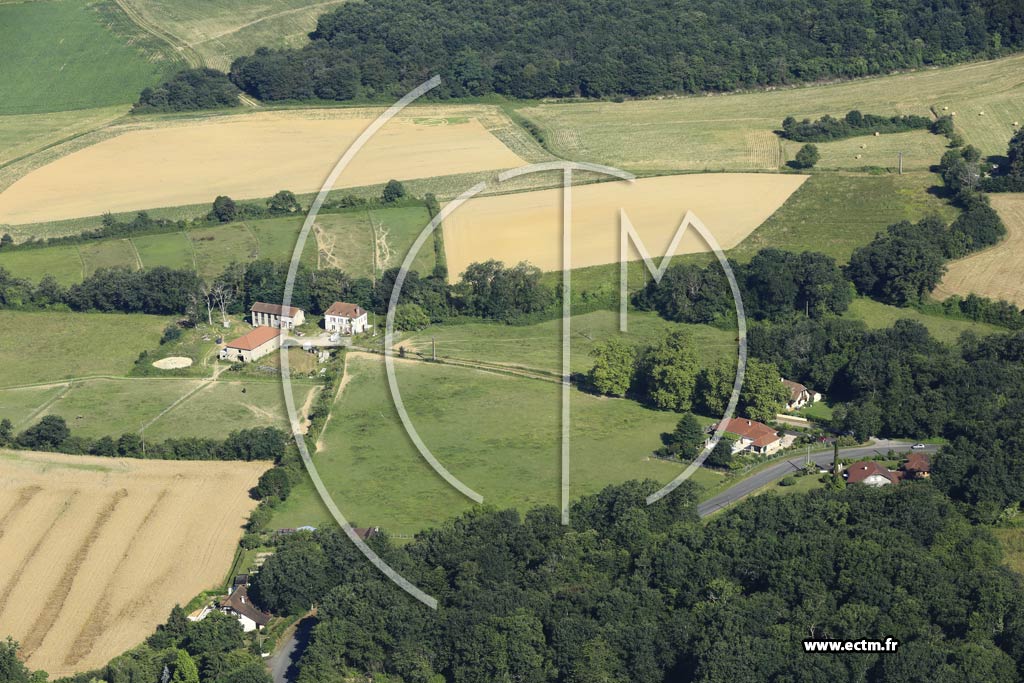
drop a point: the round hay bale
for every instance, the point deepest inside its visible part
(877, 133)
(172, 363)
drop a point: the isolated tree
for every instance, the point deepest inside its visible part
(185, 670)
(667, 371)
(393, 191)
(6, 240)
(6, 432)
(48, 434)
(807, 157)
(224, 209)
(274, 482)
(721, 455)
(614, 363)
(284, 202)
(685, 441)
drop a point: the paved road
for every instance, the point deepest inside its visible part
(778, 470)
(281, 664)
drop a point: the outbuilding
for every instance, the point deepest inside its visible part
(252, 346)
(276, 315)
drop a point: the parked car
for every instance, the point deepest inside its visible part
(917, 446)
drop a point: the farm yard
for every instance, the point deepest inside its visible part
(735, 131)
(994, 272)
(463, 415)
(244, 156)
(527, 226)
(94, 552)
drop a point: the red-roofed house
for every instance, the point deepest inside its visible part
(752, 436)
(345, 318)
(252, 346)
(870, 473)
(917, 466)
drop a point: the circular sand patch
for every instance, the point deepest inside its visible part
(173, 363)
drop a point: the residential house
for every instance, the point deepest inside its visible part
(870, 473)
(276, 315)
(252, 345)
(238, 605)
(916, 466)
(799, 395)
(366, 533)
(345, 318)
(752, 436)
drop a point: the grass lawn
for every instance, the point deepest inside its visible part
(920, 148)
(878, 315)
(228, 405)
(363, 242)
(20, 405)
(539, 346)
(498, 434)
(220, 246)
(107, 254)
(835, 214)
(276, 237)
(819, 411)
(111, 407)
(38, 347)
(173, 250)
(62, 262)
(74, 54)
(1012, 541)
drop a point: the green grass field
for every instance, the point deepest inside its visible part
(364, 242)
(173, 250)
(22, 134)
(63, 262)
(835, 213)
(217, 248)
(74, 54)
(921, 150)
(220, 30)
(735, 132)
(498, 434)
(108, 254)
(878, 315)
(21, 405)
(539, 346)
(38, 347)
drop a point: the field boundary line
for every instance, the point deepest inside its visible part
(192, 246)
(20, 571)
(81, 258)
(190, 56)
(259, 245)
(138, 256)
(46, 404)
(204, 383)
(55, 600)
(346, 376)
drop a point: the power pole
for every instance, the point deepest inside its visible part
(433, 349)
(901, 163)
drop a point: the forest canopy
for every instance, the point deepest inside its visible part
(531, 49)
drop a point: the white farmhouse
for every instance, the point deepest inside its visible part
(345, 318)
(238, 605)
(276, 315)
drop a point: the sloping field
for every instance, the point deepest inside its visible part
(74, 54)
(996, 271)
(527, 226)
(94, 552)
(23, 133)
(245, 156)
(220, 30)
(732, 132)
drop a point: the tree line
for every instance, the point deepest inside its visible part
(854, 123)
(379, 48)
(189, 90)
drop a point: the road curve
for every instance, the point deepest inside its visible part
(780, 469)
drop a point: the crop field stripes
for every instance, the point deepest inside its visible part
(55, 601)
(25, 496)
(99, 618)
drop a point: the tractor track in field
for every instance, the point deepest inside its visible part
(191, 56)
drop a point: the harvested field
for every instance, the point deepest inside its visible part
(94, 552)
(994, 272)
(527, 226)
(244, 156)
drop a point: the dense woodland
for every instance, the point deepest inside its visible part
(531, 49)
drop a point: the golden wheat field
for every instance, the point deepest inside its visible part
(246, 156)
(994, 272)
(94, 552)
(527, 226)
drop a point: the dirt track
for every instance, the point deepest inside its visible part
(94, 552)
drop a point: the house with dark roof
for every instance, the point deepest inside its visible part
(916, 466)
(252, 346)
(752, 436)
(870, 473)
(275, 315)
(799, 395)
(345, 318)
(238, 605)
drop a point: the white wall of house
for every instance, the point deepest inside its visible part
(338, 323)
(277, 321)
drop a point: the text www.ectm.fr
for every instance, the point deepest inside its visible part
(863, 645)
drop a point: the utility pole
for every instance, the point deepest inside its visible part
(835, 458)
(433, 349)
(901, 163)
